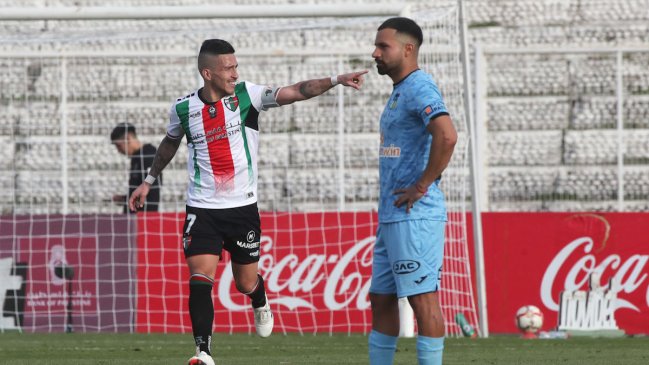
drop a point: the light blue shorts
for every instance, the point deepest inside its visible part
(408, 258)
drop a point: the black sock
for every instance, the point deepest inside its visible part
(201, 310)
(258, 295)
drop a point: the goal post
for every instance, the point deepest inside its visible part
(205, 12)
(318, 176)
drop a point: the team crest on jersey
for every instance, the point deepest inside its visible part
(212, 111)
(231, 103)
(394, 101)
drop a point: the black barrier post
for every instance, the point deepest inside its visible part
(66, 272)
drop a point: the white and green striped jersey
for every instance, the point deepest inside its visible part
(222, 141)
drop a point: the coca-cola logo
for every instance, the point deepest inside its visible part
(295, 278)
(626, 275)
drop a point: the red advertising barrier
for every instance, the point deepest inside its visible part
(317, 268)
(48, 297)
(97, 251)
(531, 257)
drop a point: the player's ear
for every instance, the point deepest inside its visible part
(207, 75)
(409, 49)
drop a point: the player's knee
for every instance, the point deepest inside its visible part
(245, 285)
(425, 303)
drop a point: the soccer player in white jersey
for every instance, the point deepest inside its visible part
(220, 121)
(417, 141)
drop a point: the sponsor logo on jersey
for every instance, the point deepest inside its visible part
(231, 103)
(389, 151)
(212, 111)
(430, 109)
(195, 114)
(405, 266)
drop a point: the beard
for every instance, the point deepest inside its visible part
(381, 68)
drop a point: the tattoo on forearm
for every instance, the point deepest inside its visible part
(166, 151)
(312, 88)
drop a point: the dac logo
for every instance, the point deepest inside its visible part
(405, 267)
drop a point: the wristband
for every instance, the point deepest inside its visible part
(420, 189)
(149, 179)
(334, 80)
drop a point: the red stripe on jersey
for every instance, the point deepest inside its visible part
(218, 148)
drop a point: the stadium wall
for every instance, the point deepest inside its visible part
(101, 251)
(317, 278)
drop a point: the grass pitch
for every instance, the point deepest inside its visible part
(131, 349)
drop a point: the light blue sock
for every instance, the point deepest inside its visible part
(382, 348)
(429, 350)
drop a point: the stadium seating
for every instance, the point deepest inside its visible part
(537, 148)
(551, 119)
(522, 114)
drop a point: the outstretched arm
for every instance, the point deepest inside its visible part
(304, 90)
(166, 151)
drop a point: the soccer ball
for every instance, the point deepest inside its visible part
(529, 319)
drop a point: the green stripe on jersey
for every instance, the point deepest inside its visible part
(182, 109)
(244, 106)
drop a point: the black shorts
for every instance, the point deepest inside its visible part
(209, 231)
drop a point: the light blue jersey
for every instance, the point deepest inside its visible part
(405, 148)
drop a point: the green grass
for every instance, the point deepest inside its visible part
(127, 349)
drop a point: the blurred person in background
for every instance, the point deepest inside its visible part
(141, 154)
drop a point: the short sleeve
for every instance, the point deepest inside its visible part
(428, 102)
(262, 97)
(174, 129)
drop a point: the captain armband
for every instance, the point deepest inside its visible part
(269, 97)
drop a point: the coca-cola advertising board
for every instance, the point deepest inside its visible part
(317, 268)
(531, 257)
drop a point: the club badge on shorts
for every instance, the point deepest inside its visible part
(187, 240)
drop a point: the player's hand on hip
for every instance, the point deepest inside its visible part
(137, 199)
(353, 79)
(408, 197)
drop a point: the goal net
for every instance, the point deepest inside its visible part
(71, 260)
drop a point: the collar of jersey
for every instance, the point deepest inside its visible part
(198, 93)
(403, 79)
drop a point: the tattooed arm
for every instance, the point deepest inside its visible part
(166, 151)
(304, 90)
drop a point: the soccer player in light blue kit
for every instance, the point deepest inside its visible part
(417, 141)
